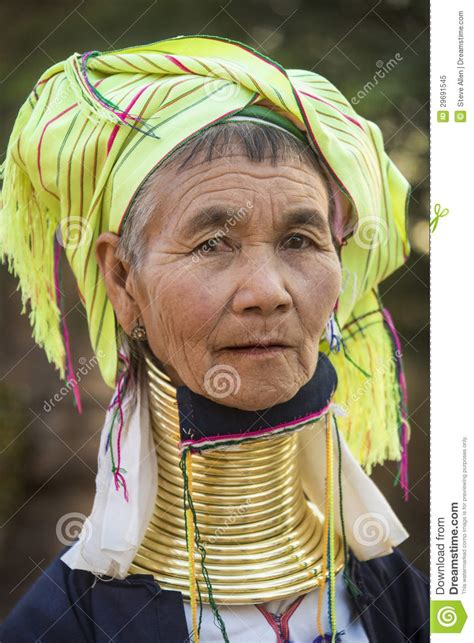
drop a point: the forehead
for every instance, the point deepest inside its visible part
(235, 180)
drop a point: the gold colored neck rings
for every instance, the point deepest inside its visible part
(263, 538)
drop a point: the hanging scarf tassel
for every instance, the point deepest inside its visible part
(351, 360)
(193, 543)
(372, 425)
(70, 375)
(402, 476)
(26, 242)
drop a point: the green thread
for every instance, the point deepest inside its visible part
(349, 358)
(110, 439)
(351, 587)
(331, 586)
(182, 466)
(346, 354)
(188, 503)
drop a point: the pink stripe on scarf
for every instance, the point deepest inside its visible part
(124, 115)
(69, 369)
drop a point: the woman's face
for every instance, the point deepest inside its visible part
(238, 280)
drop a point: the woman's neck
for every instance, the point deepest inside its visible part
(263, 539)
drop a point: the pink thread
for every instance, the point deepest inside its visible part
(259, 432)
(403, 388)
(71, 378)
(118, 477)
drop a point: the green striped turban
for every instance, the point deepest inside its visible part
(97, 124)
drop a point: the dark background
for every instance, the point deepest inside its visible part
(48, 460)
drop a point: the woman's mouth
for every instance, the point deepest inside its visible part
(258, 350)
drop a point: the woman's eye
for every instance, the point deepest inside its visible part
(213, 245)
(296, 242)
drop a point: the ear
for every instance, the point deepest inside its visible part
(343, 218)
(117, 279)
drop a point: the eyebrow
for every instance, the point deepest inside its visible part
(216, 216)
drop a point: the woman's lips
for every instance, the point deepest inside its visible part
(271, 350)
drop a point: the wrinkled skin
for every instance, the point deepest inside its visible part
(258, 278)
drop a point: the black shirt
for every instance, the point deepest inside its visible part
(73, 605)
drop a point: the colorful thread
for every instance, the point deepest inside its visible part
(110, 105)
(325, 543)
(185, 464)
(330, 491)
(333, 334)
(329, 638)
(351, 587)
(328, 547)
(117, 401)
(191, 558)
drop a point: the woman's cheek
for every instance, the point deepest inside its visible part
(191, 311)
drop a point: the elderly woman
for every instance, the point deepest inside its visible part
(228, 222)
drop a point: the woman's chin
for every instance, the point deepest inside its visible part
(252, 384)
(256, 395)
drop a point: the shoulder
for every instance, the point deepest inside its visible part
(73, 604)
(46, 607)
(394, 591)
(394, 568)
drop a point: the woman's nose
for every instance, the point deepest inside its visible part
(261, 287)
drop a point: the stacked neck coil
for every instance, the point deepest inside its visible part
(263, 538)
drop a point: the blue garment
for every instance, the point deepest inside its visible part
(72, 605)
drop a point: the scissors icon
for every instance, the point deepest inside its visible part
(438, 215)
